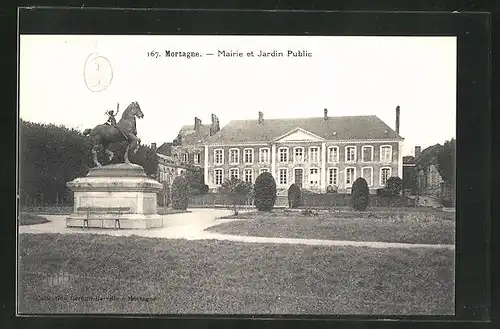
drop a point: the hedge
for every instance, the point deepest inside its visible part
(311, 200)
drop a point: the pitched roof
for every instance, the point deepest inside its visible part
(428, 156)
(346, 128)
(165, 149)
(408, 159)
(193, 137)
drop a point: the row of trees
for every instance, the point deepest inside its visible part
(263, 192)
(50, 156)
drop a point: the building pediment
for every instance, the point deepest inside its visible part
(299, 135)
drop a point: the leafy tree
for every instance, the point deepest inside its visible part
(446, 161)
(196, 181)
(394, 185)
(50, 156)
(360, 194)
(236, 190)
(294, 195)
(265, 192)
(180, 193)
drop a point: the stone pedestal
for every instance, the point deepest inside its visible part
(118, 185)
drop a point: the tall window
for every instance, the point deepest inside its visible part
(261, 170)
(298, 154)
(283, 178)
(218, 177)
(314, 176)
(219, 156)
(249, 175)
(350, 176)
(283, 153)
(234, 156)
(367, 153)
(367, 174)
(248, 155)
(234, 173)
(386, 154)
(197, 158)
(333, 176)
(184, 157)
(264, 155)
(385, 173)
(333, 154)
(350, 153)
(313, 154)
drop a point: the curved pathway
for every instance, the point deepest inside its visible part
(192, 225)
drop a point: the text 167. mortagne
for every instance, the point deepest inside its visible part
(230, 53)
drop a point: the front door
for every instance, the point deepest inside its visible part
(299, 173)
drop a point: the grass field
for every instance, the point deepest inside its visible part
(104, 274)
(404, 227)
(31, 219)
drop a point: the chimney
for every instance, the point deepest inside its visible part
(153, 146)
(418, 149)
(197, 124)
(397, 119)
(325, 114)
(214, 127)
(261, 117)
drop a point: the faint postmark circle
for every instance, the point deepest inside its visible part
(97, 73)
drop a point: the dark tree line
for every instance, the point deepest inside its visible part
(50, 156)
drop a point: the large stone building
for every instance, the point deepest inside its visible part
(188, 147)
(314, 152)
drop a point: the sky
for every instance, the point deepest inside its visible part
(346, 75)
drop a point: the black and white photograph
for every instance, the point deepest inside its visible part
(237, 174)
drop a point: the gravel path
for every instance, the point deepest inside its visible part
(191, 226)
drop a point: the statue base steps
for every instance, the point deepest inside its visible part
(115, 186)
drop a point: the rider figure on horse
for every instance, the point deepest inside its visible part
(111, 115)
(112, 121)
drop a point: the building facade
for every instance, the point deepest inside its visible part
(313, 153)
(168, 169)
(428, 179)
(188, 147)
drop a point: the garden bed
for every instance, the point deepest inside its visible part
(169, 211)
(31, 219)
(402, 227)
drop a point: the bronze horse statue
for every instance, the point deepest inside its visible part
(125, 130)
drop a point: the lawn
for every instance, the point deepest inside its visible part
(436, 227)
(30, 219)
(85, 273)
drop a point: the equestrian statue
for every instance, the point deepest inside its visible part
(115, 132)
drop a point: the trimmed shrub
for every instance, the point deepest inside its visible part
(294, 195)
(394, 185)
(360, 195)
(265, 192)
(180, 193)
